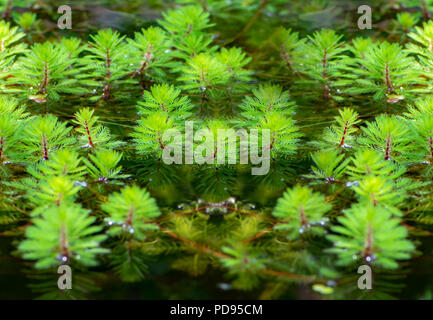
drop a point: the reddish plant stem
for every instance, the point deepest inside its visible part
(388, 147)
(343, 138)
(44, 148)
(218, 254)
(64, 251)
(291, 276)
(147, 57)
(304, 221)
(161, 145)
(2, 141)
(89, 137)
(44, 80)
(368, 246)
(257, 236)
(130, 216)
(388, 79)
(196, 245)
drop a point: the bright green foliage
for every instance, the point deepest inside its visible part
(149, 133)
(227, 66)
(9, 36)
(406, 21)
(104, 166)
(387, 72)
(92, 134)
(27, 21)
(421, 118)
(424, 127)
(214, 147)
(63, 162)
(130, 209)
(377, 190)
(74, 47)
(301, 209)
(63, 233)
(389, 135)
(203, 72)
(9, 49)
(44, 135)
(323, 61)
(11, 124)
(44, 73)
(234, 60)
(423, 46)
(187, 27)
(284, 134)
(185, 20)
(53, 190)
(372, 234)
(290, 47)
(329, 166)
(151, 53)
(166, 98)
(215, 72)
(267, 98)
(368, 162)
(192, 45)
(107, 64)
(340, 135)
(359, 47)
(421, 107)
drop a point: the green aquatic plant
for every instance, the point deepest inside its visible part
(92, 124)
(11, 48)
(166, 98)
(28, 22)
(301, 210)
(290, 46)
(12, 119)
(284, 134)
(389, 135)
(405, 21)
(329, 166)
(149, 134)
(151, 55)
(188, 29)
(203, 72)
(44, 73)
(341, 134)
(105, 65)
(387, 72)
(93, 134)
(371, 234)
(103, 166)
(63, 162)
(129, 211)
(267, 98)
(322, 63)
(366, 162)
(64, 233)
(44, 135)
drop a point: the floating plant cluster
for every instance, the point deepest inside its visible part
(82, 125)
